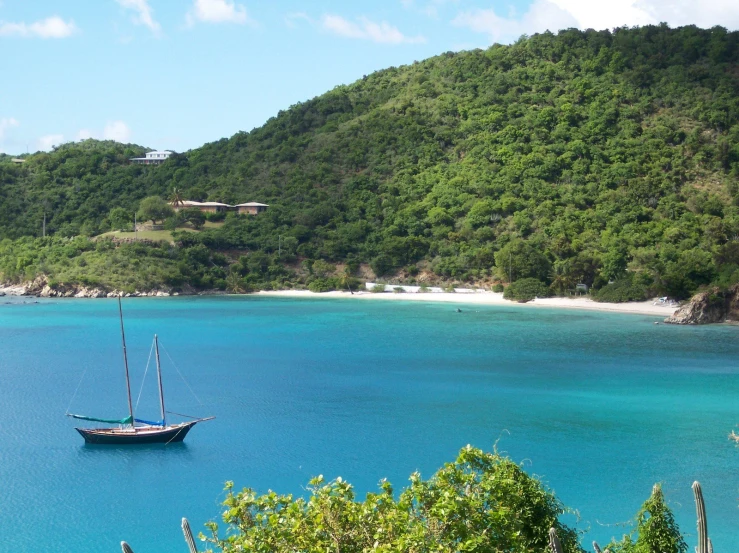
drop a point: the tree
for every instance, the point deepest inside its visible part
(176, 198)
(656, 530)
(519, 259)
(194, 216)
(120, 219)
(154, 209)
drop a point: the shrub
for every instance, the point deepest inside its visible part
(498, 288)
(620, 291)
(377, 288)
(423, 289)
(526, 289)
(215, 217)
(381, 265)
(398, 290)
(322, 285)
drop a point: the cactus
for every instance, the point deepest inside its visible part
(554, 542)
(704, 544)
(188, 536)
(126, 548)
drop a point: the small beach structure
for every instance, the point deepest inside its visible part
(156, 157)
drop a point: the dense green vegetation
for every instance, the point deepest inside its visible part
(482, 502)
(583, 157)
(526, 289)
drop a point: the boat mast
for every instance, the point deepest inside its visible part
(159, 376)
(125, 363)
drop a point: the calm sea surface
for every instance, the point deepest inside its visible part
(600, 406)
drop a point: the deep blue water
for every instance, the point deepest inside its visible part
(600, 406)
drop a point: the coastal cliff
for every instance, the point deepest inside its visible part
(712, 306)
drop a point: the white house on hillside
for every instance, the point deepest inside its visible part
(152, 158)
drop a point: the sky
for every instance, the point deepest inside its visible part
(175, 74)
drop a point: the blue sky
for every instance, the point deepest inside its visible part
(175, 74)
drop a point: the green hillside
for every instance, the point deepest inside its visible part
(579, 157)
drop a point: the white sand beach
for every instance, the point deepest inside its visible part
(487, 298)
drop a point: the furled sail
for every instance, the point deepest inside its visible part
(150, 423)
(124, 421)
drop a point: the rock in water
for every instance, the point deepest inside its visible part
(713, 306)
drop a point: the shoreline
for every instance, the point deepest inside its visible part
(484, 298)
(468, 297)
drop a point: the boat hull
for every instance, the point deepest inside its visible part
(147, 435)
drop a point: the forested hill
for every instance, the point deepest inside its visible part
(577, 157)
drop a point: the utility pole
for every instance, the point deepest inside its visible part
(510, 267)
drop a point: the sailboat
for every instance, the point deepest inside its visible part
(130, 430)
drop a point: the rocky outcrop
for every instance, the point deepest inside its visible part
(712, 306)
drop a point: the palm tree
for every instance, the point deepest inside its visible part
(176, 198)
(562, 280)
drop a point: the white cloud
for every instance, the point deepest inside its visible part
(51, 27)
(47, 142)
(365, 29)
(554, 15)
(113, 130)
(7, 123)
(144, 14)
(218, 11)
(118, 131)
(293, 17)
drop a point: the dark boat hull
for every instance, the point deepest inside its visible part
(118, 436)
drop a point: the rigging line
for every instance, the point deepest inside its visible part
(74, 395)
(181, 415)
(144, 379)
(182, 377)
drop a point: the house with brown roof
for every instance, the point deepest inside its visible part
(249, 208)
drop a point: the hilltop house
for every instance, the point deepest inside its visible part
(249, 208)
(205, 207)
(156, 157)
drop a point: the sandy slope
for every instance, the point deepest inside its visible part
(488, 298)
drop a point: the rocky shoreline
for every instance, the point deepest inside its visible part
(41, 288)
(710, 307)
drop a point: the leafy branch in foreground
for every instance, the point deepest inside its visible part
(656, 529)
(480, 502)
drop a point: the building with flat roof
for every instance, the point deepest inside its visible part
(250, 208)
(157, 157)
(205, 207)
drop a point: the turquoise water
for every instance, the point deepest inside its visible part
(600, 406)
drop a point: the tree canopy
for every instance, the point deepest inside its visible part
(586, 156)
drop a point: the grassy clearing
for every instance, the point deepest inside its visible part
(157, 235)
